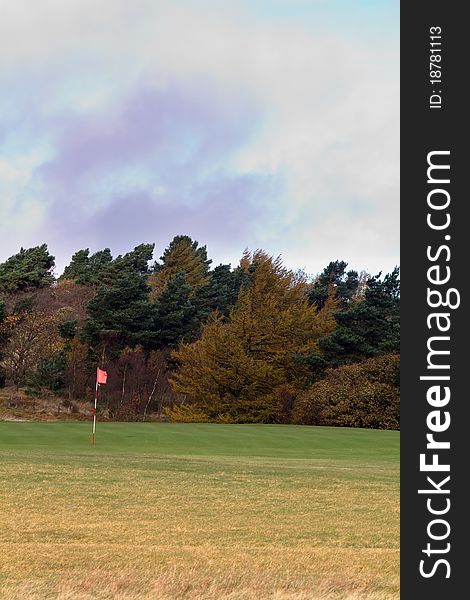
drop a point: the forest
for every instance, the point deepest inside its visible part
(182, 340)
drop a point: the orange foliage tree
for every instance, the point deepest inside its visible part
(237, 369)
(183, 255)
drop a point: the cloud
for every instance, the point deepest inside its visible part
(227, 214)
(287, 126)
(156, 165)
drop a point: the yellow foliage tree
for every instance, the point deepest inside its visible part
(233, 372)
(182, 256)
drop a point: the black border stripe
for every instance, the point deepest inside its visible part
(424, 130)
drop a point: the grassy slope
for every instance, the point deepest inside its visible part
(197, 511)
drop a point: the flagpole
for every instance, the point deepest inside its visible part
(101, 377)
(94, 413)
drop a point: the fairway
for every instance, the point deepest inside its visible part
(198, 511)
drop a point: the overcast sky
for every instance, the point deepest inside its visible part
(267, 124)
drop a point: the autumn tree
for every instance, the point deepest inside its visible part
(3, 327)
(38, 325)
(183, 255)
(4, 331)
(33, 339)
(66, 298)
(138, 384)
(78, 373)
(236, 367)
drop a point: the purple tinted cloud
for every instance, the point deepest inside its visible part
(155, 165)
(226, 218)
(178, 126)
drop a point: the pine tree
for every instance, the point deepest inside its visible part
(334, 279)
(175, 313)
(27, 270)
(100, 268)
(136, 261)
(222, 290)
(120, 314)
(88, 270)
(369, 327)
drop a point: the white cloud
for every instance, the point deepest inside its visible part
(330, 124)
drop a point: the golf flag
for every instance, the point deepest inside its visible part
(101, 376)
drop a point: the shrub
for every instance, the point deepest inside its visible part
(359, 395)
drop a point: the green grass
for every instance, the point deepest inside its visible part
(197, 511)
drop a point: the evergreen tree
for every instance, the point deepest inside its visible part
(120, 314)
(88, 270)
(100, 268)
(369, 327)
(99, 265)
(334, 279)
(30, 269)
(222, 290)
(175, 313)
(79, 267)
(137, 260)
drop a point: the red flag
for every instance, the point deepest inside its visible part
(101, 376)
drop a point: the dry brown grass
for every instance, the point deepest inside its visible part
(20, 406)
(190, 584)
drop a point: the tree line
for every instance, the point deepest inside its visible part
(191, 342)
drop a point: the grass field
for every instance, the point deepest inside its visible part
(169, 511)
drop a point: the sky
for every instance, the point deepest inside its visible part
(252, 124)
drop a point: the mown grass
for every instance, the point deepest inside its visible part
(169, 511)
